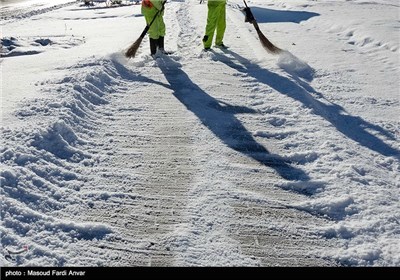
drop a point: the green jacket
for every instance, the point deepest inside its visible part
(149, 9)
(151, 6)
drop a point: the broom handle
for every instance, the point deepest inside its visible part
(255, 24)
(154, 18)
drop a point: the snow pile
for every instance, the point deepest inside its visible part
(295, 66)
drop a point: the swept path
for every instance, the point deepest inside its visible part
(194, 185)
(226, 158)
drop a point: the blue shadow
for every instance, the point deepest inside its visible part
(352, 127)
(263, 15)
(220, 119)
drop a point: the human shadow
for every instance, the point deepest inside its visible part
(264, 15)
(219, 117)
(129, 75)
(352, 127)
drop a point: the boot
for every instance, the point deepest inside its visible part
(161, 44)
(205, 39)
(153, 46)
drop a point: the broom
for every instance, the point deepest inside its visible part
(264, 41)
(131, 52)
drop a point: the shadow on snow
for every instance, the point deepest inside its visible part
(220, 119)
(352, 127)
(263, 15)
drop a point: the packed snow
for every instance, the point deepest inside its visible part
(233, 157)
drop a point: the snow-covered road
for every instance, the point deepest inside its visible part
(225, 158)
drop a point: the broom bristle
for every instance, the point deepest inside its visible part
(131, 52)
(267, 43)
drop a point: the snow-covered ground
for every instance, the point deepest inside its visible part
(230, 157)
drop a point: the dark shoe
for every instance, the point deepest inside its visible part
(153, 46)
(221, 46)
(207, 49)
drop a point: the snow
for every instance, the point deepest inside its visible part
(232, 157)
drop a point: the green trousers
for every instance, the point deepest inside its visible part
(157, 29)
(216, 20)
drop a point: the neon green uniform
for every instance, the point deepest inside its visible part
(216, 20)
(149, 10)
